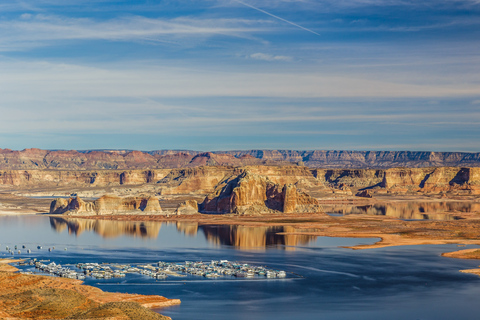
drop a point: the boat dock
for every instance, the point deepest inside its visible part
(159, 271)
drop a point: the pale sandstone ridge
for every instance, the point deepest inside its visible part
(250, 193)
(433, 180)
(80, 177)
(105, 205)
(115, 159)
(126, 159)
(365, 159)
(201, 181)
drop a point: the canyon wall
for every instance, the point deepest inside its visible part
(365, 159)
(117, 160)
(206, 179)
(79, 177)
(167, 159)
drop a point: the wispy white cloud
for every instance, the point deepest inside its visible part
(269, 57)
(19, 80)
(47, 97)
(40, 29)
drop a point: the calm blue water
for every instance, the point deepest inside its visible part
(409, 282)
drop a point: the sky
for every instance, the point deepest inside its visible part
(234, 75)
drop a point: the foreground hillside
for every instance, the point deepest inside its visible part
(42, 297)
(167, 159)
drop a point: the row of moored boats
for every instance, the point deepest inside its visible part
(160, 270)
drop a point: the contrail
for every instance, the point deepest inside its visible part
(276, 17)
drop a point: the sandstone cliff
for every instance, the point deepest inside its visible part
(127, 160)
(114, 159)
(204, 180)
(79, 177)
(250, 193)
(199, 180)
(433, 179)
(106, 205)
(366, 159)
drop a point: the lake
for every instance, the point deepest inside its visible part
(330, 282)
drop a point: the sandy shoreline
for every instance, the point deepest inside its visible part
(15, 213)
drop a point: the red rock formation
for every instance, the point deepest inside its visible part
(79, 177)
(364, 194)
(186, 208)
(249, 193)
(105, 205)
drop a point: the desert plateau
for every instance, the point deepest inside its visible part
(234, 199)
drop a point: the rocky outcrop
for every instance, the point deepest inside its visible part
(359, 178)
(187, 208)
(72, 205)
(364, 194)
(201, 180)
(250, 193)
(204, 180)
(106, 205)
(432, 179)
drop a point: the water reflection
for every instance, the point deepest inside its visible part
(246, 237)
(408, 210)
(242, 237)
(188, 228)
(107, 229)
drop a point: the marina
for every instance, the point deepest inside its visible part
(159, 271)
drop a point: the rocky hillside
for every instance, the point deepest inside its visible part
(167, 159)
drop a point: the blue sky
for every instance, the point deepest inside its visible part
(250, 74)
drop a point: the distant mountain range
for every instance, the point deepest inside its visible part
(162, 159)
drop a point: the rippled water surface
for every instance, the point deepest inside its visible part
(409, 282)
